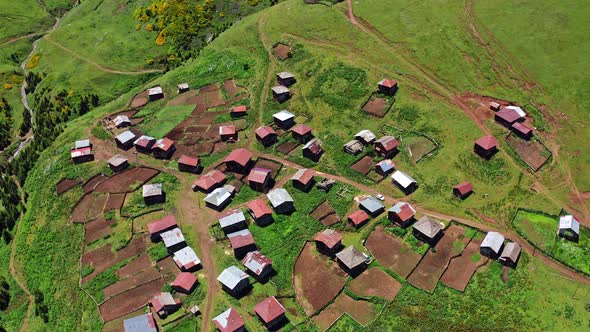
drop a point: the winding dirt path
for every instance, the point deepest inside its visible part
(17, 38)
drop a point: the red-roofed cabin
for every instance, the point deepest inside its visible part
(328, 242)
(185, 282)
(258, 265)
(242, 242)
(189, 164)
(163, 148)
(82, 155)
(261, 213)
(210, 181)
(228, 133)
(238, 111)
(303, 179)
(144, 144)
(239, 161)
(271, 313)
(386, 146)
(507, 117)
(522, 131)
(266, 135)
(463, 190)
(494, 106)
(486, 146)
(387, 86)
(229, 321)
(164, 304)
(358, 218)
(157, 227)
(259, 179)
(401, 213)
(302, 133)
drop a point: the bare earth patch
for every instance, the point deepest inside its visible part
(282, 51)
(462, 268)
(92, 183)
(362, 311)
(287, 147)
(127, 180)
(377, 107)
(364, 165)
(96, 230)
(65, 185)
(391, 252)
(375, 282)
(531, 152)
(131, 282)
(137, 264)
(114, 202)
(126, 302)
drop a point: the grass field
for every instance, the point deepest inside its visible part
(22, 17)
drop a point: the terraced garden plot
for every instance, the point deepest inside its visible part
(375, 282)
(131, 300)
(462, 268)
(391, 252)
(362, 311)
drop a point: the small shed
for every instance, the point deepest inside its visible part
(358, 218)
(325, 185)
(405, 182)
(218, 199)
(173, 240)
(144, 144)
(238, 111)
(239, 161)
(260, 212)
(285, 78)
(303, 179)
(281, 201)
(184, 282)
(186, 259)
(232, 221)
(163, 148)
(210, 181)
(281, 93)
(258, 265)
(486, 146)
(463, 190)
(301, 133)
(569, 228)
(228, 133)
(266, 135)
(155, 93)
(328, 242)
(313, 150)
(125, 140)
(182, 87)
(354, 147)
(189, 164)
(229, 321)
(164, 304)
(385, 167)
(491, 246)
(284, 119)
(522, 131)
(260, 179)
(82, 155)
(401, 213)
(386, 146)
(153, 193)
(271, 313)
(387, 86)
(365, 136)
(242, 242)
(118, 163)
(121, 121)
(510, 254)
(372, 206)
(352, 260)
(234, 281)
(427, 230)
(159, 226)
(494, 106)
(142, 323)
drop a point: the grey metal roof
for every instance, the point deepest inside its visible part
(231, 277)
(569, 222)
(120, 119)
(371, 204)
(117, 160)
(351, 257)
(82, 143)
(283, 115)
(218, 196)
(427, 226)
(125, 136)
(280, 89)
(494, 241)
(172, 237)
(232, 218)
(152, 189)
(285, 74)
(354, 146)
(186, 256)
(155, 90)
(511, 251)
(278, 196)
(365, 135)
(165, 298)
(182, 86)
(143, 323)
(403, 179)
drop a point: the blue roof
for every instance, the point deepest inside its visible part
(371, 204)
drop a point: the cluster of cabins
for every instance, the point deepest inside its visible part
(512, 117)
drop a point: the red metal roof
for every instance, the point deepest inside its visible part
(259, 208)
(240, 156)
(161, 224)
(258, 175)
(406, 212)
(233, 322)
(164, 144)
(241, 241)
(144, 142)
(269, 309)
(328, 237)
(389, 83)
(227, 130)
(464, 188)
(508, 115)
(209, 180)
(389, 144)
(189, 161)
(239, 109)
(301, 129)
(487, 142)
(358, 217)
(81, 152)
(521, 128)
(184, 280)
(264, 131)
(255, 259)
(306, 177)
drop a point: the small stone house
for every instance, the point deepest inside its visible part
(121, 121)
(173, 240)
(354, 147)
(144, 144)
(386, 146)
(403, 181)
(301, 133)
(313, 150)
(486, 147)
(164, 304)
(569, 228)
(229, 321)
(82, 155)
(239, 161)
(285, 78)
(463, 190)
(385, 167)
(522, 131)
(218, 199)
(232, 221)
(155, 93)
(228, 133)
(510, 254)
(271, 313)
(284, 119)
(303, 179)
(125, 140)
(182, 87)
(365, 136)
(159, 226)
(142, 323)
(266, 135)
(163, 148)
(189, 164)
(260, 179)
(372, 206)
(401, 213)
(242, 242)
(186, 259)
(184, 282)
(238, 111)
(358, 218)
(260, 212)
(210, 181)
(281, 201)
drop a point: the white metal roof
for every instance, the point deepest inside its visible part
(231, 219)
(285, 74)
(518, 110)
(152, 189)
(125, 136)
(155, 91)
(186, 256)
(82, 143)
(279, 196)
(280, 89)
(494, 241)
(569, 222)
(366, 135)
(218, 196)
(402, 179)
(172, 237)
(117, 160)
(283, 115)
(231, 277)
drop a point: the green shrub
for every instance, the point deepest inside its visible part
(86, 270)
(341, 86)
(157, 252)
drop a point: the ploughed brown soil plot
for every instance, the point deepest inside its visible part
(362, 311)
(103, 257)
(114, 202)
(325, 214)
(375, 282)
(92, 183)
(430, 269)
(96, 230)
(131, 300)
(270, 165)
(462, 268)
(65, 185)
(531, 152)
(317, 279)
(97, 206)
(137, 264)
(132, 282)
(232, 88)
(127, 180)
(364, 165)
(390, 251)
(139, 100)
(287, 147)
(80, 212)
(377, 106)
(282, 51)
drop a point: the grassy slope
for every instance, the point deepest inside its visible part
(22, 17)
